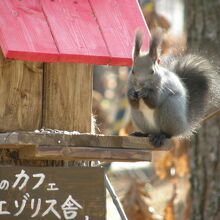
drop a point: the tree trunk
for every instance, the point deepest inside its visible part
(203, 29)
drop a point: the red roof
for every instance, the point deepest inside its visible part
(80, 31)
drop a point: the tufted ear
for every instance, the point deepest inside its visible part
(155, 43)
(137, 45)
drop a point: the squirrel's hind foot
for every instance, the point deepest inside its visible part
(158, 139)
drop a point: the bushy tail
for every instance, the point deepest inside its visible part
(202, 81)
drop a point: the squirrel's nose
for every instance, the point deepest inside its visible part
(141, 85)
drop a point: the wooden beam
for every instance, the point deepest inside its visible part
(59, 146)
(83, 153)
(14, 146)
(21, 95)
(67, 96)
(81, 140)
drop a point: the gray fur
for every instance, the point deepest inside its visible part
(137, 45)
(177, 94)
(154, 44)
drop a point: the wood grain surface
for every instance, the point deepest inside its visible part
(88, 31)
(81, 140)
(76, 32)
(80, 146)
(84, 185)
(24, 31)
(83, 153)
(67, 103)
(21, 95)
(119, 20)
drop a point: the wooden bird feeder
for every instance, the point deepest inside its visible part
(49, 47)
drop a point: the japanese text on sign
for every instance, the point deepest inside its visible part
(35, 195)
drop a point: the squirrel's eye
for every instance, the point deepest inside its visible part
(132, 71)
(151, 71)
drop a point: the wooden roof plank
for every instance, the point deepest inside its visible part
(118, 22)
(76, 31)
(88, 31)
(24, 33)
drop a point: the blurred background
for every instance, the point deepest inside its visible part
(183, 183)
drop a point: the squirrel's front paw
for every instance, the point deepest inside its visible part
(132, 94)
(143, 93)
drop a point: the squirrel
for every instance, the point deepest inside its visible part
(169, 96)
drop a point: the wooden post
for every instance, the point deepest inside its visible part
(67, 103)
(21, 95)
(65, 88)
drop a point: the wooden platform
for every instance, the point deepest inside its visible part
(61, 146)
